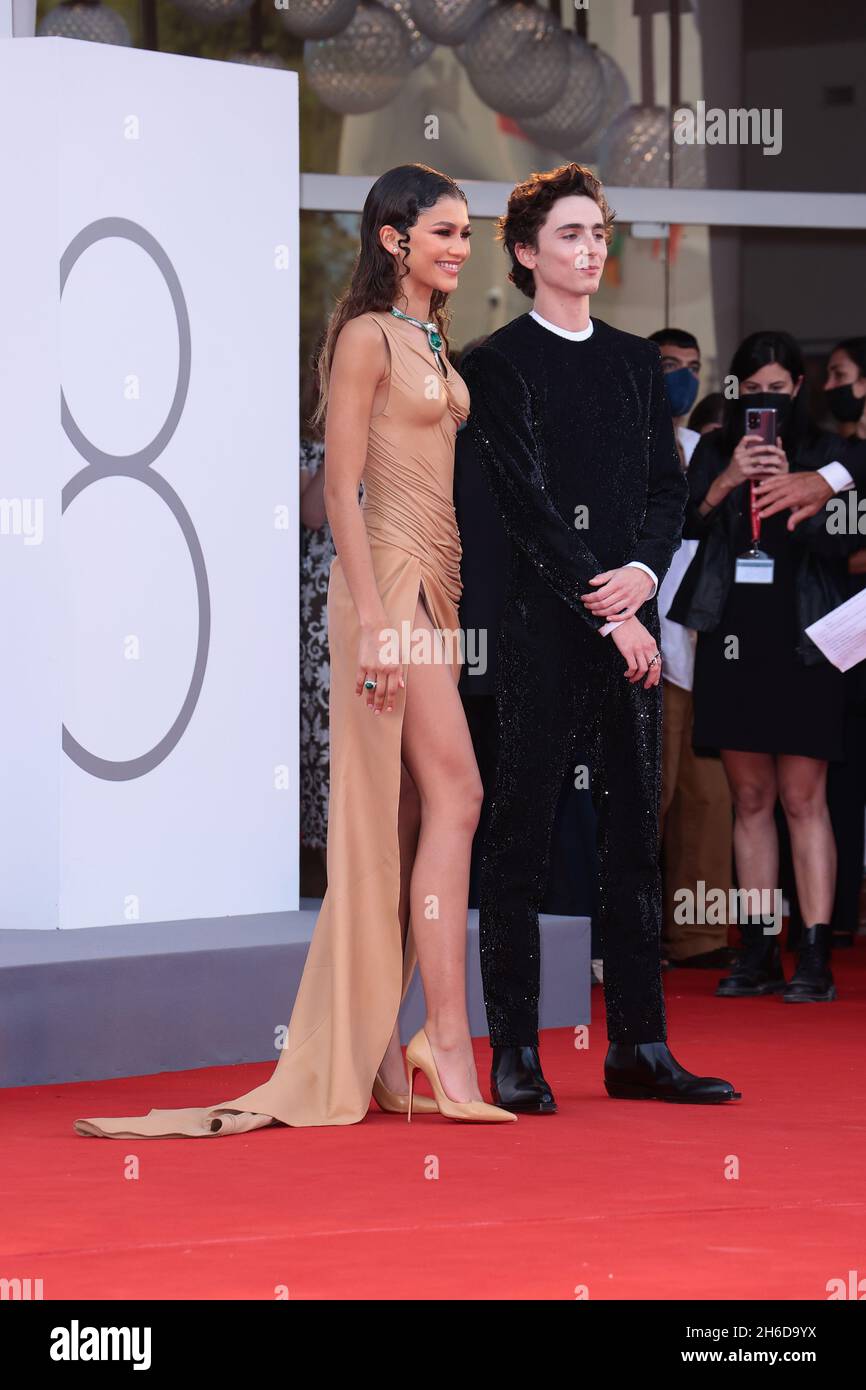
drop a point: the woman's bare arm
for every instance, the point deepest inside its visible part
(359, 364)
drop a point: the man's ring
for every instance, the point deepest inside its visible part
(369, 685)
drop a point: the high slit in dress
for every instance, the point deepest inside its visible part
(357, 970)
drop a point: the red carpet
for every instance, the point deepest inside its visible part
(627, 1199)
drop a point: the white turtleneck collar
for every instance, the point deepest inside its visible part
(575, 337)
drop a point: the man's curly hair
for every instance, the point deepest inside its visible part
(529, 204)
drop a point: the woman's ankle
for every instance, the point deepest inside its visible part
(448, 1034)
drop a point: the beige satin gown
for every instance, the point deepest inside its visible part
(357, 973)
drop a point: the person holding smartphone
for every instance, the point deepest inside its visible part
(764, 694)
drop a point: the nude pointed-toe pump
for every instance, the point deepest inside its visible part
(395, 1104)
(419, 1057)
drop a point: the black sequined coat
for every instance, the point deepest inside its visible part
(577, 441)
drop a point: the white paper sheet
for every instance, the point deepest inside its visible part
(841, 634)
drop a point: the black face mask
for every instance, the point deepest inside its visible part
(779, 400)
(844, 406)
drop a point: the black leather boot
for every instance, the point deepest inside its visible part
(517, 1082)
(758, 968)
(812, 982)
(649, 1071)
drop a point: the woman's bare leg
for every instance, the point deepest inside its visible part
(803, 792)
(393, 1070)
(438, 753)
(752, 779)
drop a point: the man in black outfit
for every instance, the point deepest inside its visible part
(570, 421)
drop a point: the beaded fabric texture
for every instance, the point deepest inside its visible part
(577, 443)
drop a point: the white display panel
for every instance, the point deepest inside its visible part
(150, 417)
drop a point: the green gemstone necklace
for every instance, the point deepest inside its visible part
(434, 337)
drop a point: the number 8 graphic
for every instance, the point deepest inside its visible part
(138, 465)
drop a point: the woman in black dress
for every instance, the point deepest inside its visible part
(764, 694)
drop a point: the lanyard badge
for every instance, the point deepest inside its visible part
(754, 566)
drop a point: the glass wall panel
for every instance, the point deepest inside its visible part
(748, 94)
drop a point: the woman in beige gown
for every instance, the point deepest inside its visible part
(405, 792)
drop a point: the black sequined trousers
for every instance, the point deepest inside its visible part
(562, 698)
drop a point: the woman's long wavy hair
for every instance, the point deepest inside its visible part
(395, 200)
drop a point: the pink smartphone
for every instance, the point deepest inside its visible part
(761, 421)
